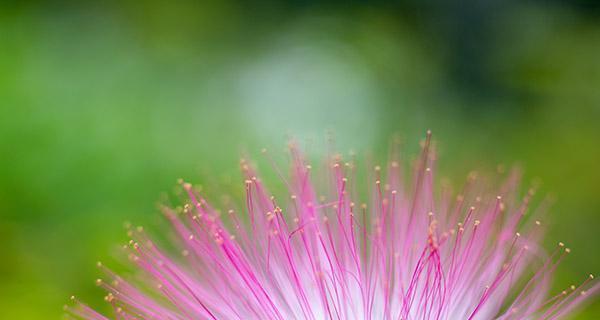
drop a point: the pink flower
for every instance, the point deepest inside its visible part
(411, 251)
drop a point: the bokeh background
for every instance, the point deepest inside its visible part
(104, 105)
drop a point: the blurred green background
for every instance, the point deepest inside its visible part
(104, 105)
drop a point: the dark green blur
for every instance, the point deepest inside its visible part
(103, 106)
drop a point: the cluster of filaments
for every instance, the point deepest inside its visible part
(409, 253)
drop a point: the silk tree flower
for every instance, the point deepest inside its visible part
(411, 251)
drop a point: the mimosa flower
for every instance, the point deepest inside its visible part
(408, 250)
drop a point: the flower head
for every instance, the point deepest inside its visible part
(407, 251)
